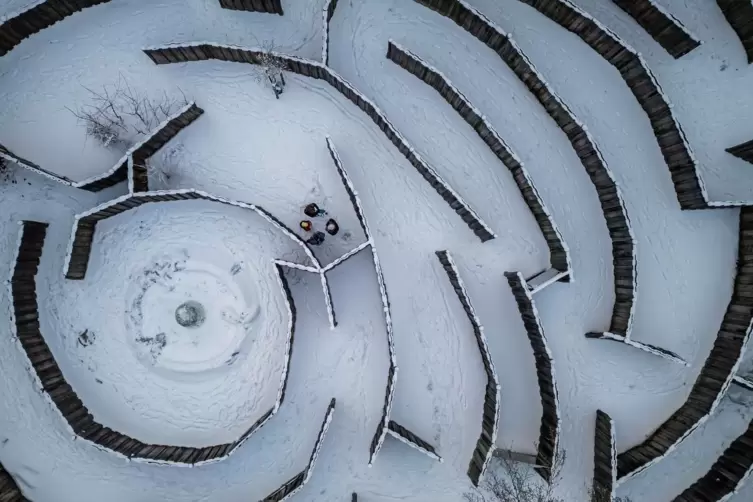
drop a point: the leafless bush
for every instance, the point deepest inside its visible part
(272, 68)
(118, 116)
(510, 481)
(164, 170)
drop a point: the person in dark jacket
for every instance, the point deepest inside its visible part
(316, 239)
(332, 227)
(312, 211)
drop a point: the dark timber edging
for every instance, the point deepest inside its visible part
(294, 484)
(739, 14)
(27, 164)
(683, 166)
(25, 320)
(130, 167)
(82, 235)
(727, 475)
(15, 28)
(327, 13)
(9, 490)
(490, 415)
(743, 151)
(266, 6)
(615, 214)
(378, 439)
(401, 433)
(559, 255)
(181, 53)
(717, 372)
(605, 462)
(550, 417)
(661, 25)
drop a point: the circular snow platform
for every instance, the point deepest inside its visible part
(213, 377)
(189, 318)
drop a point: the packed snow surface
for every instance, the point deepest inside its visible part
(140, 372)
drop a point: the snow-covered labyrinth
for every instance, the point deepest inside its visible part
(545, 249)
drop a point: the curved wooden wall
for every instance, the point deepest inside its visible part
(726, 475)
(605, 468)
(64, 397)
(490, 415)
(9, 490)
(717, 372)
(200, 52)
(296, 483)
(550, 417)
(615, 214)
(689, 188)
(662, 26)
(558, 252)
(77, 260)
(41, 16)
(743, 151)
(266, 6)
(739, 14)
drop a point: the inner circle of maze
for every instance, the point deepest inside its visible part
(542, 268)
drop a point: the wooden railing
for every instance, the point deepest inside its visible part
(605, 468)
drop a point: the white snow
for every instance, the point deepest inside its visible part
(250, 147)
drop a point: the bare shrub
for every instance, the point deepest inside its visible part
(118, 116)
(272, 69)
(510, 481)
(165, 170)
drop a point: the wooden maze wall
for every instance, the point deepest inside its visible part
(604, 479)
(558, 253)
(743, 151)
(739, 14)
(42, 15)
(296, 483)
(85, 226)
(327, 13)
(727, 473)
(717, 371)
(662, 26)
(615, 214)
(64, 397)
(9, 490)
(267, 6)
(201, 52)
(411, 439)
(550, 417)
(674, 147)
(490, 415)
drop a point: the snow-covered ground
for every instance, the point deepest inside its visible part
(208, 385)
